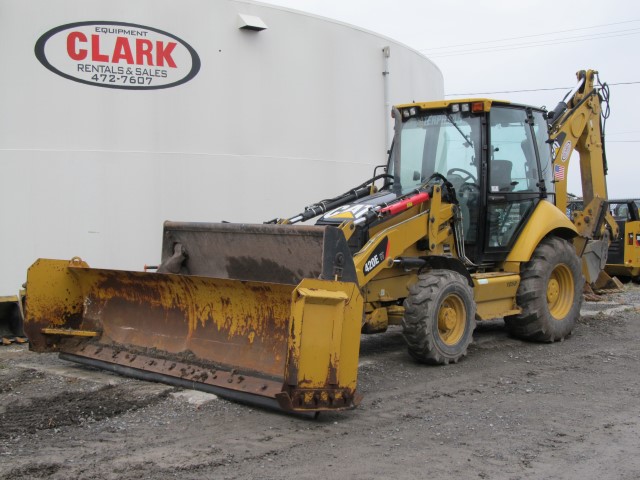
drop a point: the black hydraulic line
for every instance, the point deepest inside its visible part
(604, 98)
(411, 263)
(323, 206)
(326, 205)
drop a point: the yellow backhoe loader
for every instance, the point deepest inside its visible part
(623, 256)
(466, 223)
(624, 252)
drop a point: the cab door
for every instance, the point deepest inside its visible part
(516, 179)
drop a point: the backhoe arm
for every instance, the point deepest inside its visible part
(577, 125)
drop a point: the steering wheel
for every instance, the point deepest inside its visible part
(468, 188)
(465, 177)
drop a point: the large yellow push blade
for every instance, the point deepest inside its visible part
(291, 346)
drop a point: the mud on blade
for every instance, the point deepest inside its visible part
(290, 346)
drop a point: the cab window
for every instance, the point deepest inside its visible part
(512, 161)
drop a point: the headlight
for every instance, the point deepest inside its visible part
(409, 112)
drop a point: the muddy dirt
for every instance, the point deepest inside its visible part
(509, 410)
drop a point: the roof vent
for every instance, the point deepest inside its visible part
(249, 22)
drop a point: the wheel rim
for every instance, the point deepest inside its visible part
(451, 320)
(560, 292)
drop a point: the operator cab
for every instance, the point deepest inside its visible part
(495, 156)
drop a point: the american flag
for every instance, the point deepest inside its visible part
(558, 172)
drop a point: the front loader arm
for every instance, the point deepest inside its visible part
(431, 221)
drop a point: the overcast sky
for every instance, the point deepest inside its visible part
(490, 46)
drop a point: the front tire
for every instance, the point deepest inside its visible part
(439, 317)
(550, 293)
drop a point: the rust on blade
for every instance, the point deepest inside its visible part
(54, 300)
(230, 322)
(294, 345)
(243, 324)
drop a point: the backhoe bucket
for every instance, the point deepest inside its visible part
(293, 346)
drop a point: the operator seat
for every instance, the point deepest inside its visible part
(500, 175)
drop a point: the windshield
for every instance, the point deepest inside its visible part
(437, 142)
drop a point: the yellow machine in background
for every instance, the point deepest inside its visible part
(11, 319)
(624, 252)
(467, 223)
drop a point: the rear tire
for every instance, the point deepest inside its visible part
(439, 317)
(550, 293)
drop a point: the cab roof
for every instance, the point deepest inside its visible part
(487, 103)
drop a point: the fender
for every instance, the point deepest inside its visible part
(546, 218)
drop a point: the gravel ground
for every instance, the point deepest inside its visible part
(509, 410)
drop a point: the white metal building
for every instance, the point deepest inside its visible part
(118, 115)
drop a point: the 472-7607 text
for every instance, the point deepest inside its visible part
(124, 79)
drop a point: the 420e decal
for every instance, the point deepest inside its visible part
(377, 256)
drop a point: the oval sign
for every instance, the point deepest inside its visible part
(117, 55)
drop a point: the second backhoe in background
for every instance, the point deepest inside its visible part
(624, 253)
(467, 223)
